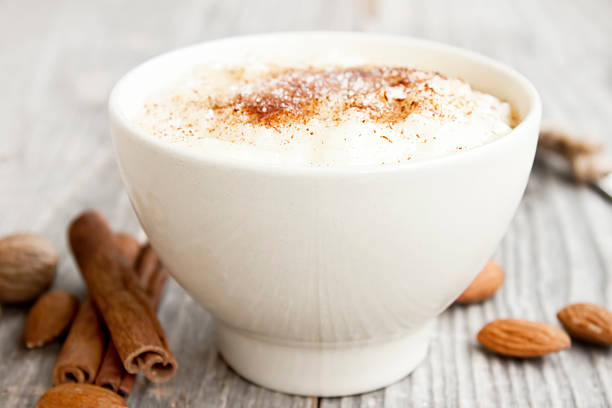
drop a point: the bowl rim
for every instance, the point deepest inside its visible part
(185, 154)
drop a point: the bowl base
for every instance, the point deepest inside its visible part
(324, 370)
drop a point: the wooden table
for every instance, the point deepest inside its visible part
(59, 59)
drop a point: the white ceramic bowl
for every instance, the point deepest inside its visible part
(325, 281)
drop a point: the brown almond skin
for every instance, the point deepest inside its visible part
(50, 316)
(588, 322)
(522, 338)
(488, 281)
(28, 263)
(80, 396)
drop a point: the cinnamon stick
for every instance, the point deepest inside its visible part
(124, 306)
(112, 374)
(565, 142)
(129, 247)
(82, 351)
(152, 276)
(584, 154)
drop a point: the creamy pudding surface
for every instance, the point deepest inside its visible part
(325, 115)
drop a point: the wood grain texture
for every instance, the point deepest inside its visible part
(59, 59)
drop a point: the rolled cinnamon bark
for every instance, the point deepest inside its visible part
(112, 374)
(83, 349)
(124, 306)
(129, 247)
(81, 353)
(584, 154)
(152, 276)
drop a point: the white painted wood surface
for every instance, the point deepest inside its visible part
(59, 59)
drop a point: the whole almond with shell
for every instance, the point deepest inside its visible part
(80, 396)
(50, 316)
(522, 338)
(488, 281)
(27, 267)
(588, 322)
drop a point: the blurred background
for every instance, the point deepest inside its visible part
(60, 58)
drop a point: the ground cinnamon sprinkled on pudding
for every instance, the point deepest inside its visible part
(325, 116)
(385, 94)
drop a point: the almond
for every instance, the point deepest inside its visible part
(522, 338)
(27, 267)
(485, 285)
(49, 317)
(588, 322)
(75, 395)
